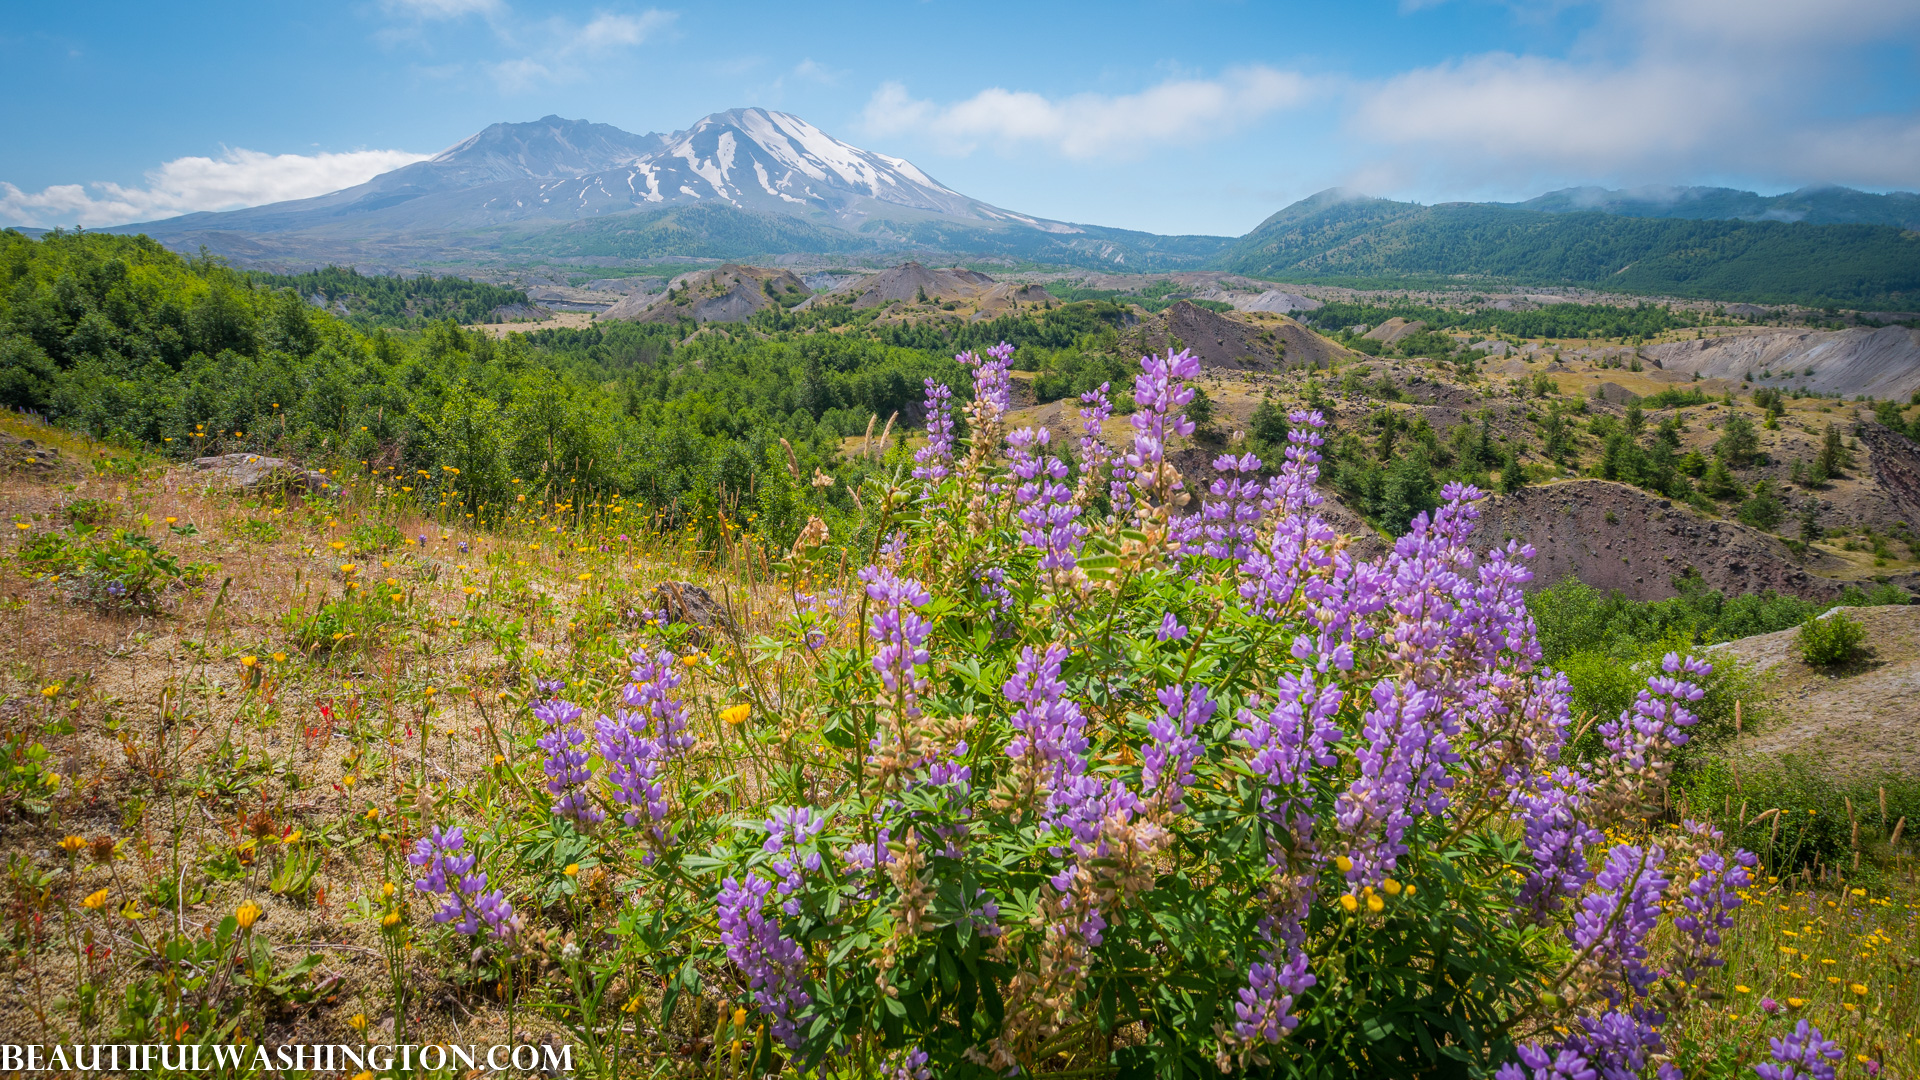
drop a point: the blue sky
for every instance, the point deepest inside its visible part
(1165, 115)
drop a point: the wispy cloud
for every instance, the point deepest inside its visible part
(814, 71)
(1094, 125)
(442, 9)
(237, 178)
(559, 49)
(1656, 91)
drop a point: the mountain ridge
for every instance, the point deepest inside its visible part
(748, 183)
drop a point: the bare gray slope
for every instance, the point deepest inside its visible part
(1860, 718)
(1881, 363)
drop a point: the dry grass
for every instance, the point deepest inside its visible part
(209, 747)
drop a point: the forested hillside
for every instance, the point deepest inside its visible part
(1335, 238)
(397, 301)
(123, 339)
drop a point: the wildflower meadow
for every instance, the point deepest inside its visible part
(1042, 765)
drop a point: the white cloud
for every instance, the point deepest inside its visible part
(1093, 125)
(564, 48)
(616, 31)
(235, 179)
(1657, 91)
(815, 71)
(442, 9)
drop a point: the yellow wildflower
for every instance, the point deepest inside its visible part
(736, 714)
(248, 914)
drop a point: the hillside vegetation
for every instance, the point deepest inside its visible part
(1333, 238)
(1000, 784)
(370, 300)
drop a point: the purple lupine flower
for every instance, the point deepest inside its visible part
(934, 461)
(1166, 762)
(1557, 837)
(863, 856)
(908, 1064)
(993, 587)
(1537, 1063)
(1160, 393)
(566, 763)
(1402, 772)
(1302, 542)
(790, 828)
(638, 742)
(1264, 1012)
(1658, 717)
(447, 870)
(1802, 1053)
(1048, 514)
(1297, 735)
(1170, 629)
(1050, 739)
(901, 633)
(1614, 918)
(1707, 905)
(1619, 1045)
(775, 965)
(992, 386)
(1095, 454)
(1232, 516)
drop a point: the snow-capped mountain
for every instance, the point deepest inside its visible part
(741, 184)
(756, 159)
(555, 169)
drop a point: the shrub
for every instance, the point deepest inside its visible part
(1153, 793)
(119, 570)
(1832, 639)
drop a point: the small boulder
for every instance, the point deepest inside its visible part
(252, 472)
(25, 455)
(685, 602)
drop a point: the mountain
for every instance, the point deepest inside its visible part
(753, 184)
(1340, 236)
(1829, 205)
(741, 183)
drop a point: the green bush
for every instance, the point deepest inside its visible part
(1833, 639)
(123, 569)
(372, 538)
(88, 511)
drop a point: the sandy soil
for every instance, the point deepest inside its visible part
(1861, 718)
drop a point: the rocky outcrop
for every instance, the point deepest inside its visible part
(725, 294)
(255, 472)
(1613, 536)
(28, 456)
(689, 604)
(1894, 461)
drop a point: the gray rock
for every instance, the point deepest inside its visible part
(685, 602)
(253, 472)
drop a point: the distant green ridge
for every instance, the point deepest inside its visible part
(1337, 237)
